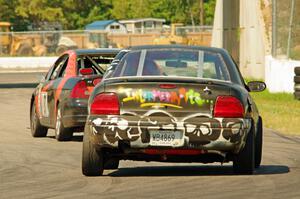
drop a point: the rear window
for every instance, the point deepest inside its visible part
(98, 63)
(173, 62)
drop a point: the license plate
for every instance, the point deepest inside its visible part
(166, 138)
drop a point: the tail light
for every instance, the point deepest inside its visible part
(80, 90)
(105, 104)
(228, 107)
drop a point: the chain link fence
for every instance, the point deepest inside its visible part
(42, 43)
(52, 43)
(286, 29)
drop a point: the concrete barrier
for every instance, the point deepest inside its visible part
(26, 62)
(279, 74)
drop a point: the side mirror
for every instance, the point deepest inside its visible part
(256, 86)
(86, 71)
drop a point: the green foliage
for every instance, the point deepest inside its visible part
(37, 10)
(280, 111)
(6, 8)
(209, 9)
(7, 13)
(78, 13)
(75, 14)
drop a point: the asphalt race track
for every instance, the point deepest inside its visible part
(44, 168)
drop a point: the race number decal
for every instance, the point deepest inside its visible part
(44, 104)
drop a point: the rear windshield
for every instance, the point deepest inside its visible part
(173, 62)
(98, 63)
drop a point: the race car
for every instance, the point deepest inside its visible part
(173, 104)
(60, 100)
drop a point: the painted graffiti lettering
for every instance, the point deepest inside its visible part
(171, 98)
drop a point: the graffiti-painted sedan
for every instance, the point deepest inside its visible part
(173, 104)
(60, 100)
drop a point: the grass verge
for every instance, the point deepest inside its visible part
(280, 111)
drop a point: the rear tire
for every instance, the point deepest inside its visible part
(61, 133)
(258, 143)
(92, 160)
(37, 130)
(244, 161)
(111, 164)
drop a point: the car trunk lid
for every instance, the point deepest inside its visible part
(177, 97)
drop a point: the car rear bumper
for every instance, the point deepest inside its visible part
(74, 113)
(204, 133)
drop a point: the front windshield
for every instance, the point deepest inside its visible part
(176, 62)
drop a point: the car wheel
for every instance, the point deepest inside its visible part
(258, 143)
(111, 164)
(244, 161)
(61, 133)
(37, 130)
(92, 159)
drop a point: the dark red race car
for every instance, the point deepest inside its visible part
(60, 100)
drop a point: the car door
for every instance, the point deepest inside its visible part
(47, 94)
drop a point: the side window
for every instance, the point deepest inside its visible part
(62, 61)
(214, 67)
(64, 67)
(128, 65)
(114, 64)
(49, 73)
(131, 65)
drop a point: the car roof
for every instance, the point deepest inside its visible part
(96, 51)
(204, 48)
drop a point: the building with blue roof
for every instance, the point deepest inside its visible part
(111, 26)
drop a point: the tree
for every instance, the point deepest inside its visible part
(7, 10)
(7, 13)
(39, 10)
(79, 13)
(120, 9)
(75, 14)
(209, 11)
